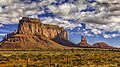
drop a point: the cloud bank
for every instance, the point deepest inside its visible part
(100, 17)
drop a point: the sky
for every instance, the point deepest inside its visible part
(97, 20)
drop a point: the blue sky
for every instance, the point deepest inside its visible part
(97, 20)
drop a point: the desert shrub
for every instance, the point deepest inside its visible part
(78, 55)
(2, 57)
(40, 57)
(45, 65)
(24, 56)
(35, 59)
(13, 56)
(31, 55)
(33, 65)
(7, 59)
(18, 65)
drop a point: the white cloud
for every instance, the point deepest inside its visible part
(115, 35)
(12, 12)
(105, 18)
(61, 22)
(111, 35)
(1, 25)
(2, 34)
(87, 33)
(69, 10)
(109, 1)
(96, 31)
(107, 36)
(53, 9)
(66, 8)
(16, 9)
(6, 2)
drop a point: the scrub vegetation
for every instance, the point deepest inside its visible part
(85, 57)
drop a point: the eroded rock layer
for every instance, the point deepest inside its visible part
(35, 27)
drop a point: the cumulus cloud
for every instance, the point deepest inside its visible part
(109, 14)
(1, 25)
(87, 33)
(95, 31)
(12, 10)
(108, 1)
(17, 8)
(61, 22)
(107, 36)
(110, 36)
(9, 2)
(2, 34)
(69, 10)
(104, 17)
(64, 9)
(6, 2)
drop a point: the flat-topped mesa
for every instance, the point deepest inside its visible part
(33, 34)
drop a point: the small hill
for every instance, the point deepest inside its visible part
(101, 45)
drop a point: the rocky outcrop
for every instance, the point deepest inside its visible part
(33, 26)
(32, 34)
(101, 45)
(83, 42)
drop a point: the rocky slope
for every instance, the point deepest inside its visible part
(32, 34)
(84, 43)
(20, 41)
(101, 45)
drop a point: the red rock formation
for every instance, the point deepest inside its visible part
(35, 27)
(32, 34)
(83, 42)
(101, 45)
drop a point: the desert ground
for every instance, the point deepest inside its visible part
(82, 57)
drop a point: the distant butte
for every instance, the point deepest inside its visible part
(83, 42)
(101, 45)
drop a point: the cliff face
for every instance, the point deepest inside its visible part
(32, 26)
(32, 34)
(84, 43)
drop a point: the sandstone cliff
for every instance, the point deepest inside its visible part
(32, 26)
(32, 33)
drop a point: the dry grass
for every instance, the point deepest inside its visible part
(60, 58)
